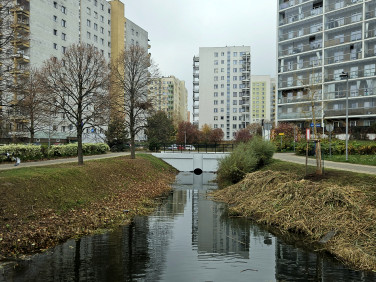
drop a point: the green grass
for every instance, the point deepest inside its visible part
(354, 159)
(337, 177)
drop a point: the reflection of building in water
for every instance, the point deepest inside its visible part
(294, 264)
(215, 235)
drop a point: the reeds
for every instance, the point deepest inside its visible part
(310, 208)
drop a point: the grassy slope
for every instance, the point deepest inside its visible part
(279, 195)
(45, 205)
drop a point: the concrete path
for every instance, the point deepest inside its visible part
(61, 161)
(291, 157)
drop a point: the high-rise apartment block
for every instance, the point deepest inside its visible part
(40, 30)
(169, 94)
(221, 81)
(259, 105)
(326, 60)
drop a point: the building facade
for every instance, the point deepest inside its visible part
(43, 29)
(221, 80)
(326, 62)
(169, 94)
(258, 106)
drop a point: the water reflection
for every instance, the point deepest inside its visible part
(189, 238)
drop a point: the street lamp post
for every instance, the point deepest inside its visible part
(344, 75)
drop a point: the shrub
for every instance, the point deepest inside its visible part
(35, 152)
(246, 157)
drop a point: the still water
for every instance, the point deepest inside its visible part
(188, 238)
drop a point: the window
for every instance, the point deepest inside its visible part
(216, 110)
(95, 26)
(222, 53)
(55, 18)
(235, 78)
(88, 11)
(215, 54)
(215, 102)
(235, 62)
(215, 62)
(55, 4)
(95, 3)
(55, 46)
(102, 19)
(95, 15)
(216, 118)
(63, 49)
(235, 94)
(63, 23)
(235, 54)
(102, 7)
(88, 35)
(215, 94)
(63, 36)
(95, 38)
(88, 23)
(55, 32)
(235, 70)
(102, 30)
(102, 41)
(63, 10)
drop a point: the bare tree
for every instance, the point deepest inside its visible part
(77, 87)
(132, 73)
(30, 105)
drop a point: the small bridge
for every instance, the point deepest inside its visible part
(192, 161)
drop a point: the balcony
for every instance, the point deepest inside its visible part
(196, 75)
(291, 3)
(300, 66)
(351, 112)
(294, 34)
(314, 81)
(342, 4)
(370, 15)
(295, 99)
(196, 59)
(341, 21)
(302, 16)
(300, 115)
(344, 39)
(363, 92)
(343, 58)
(370, 34)
(371, 52)
(292, 50)
(24, 26)
(20, 9)
(353, 74)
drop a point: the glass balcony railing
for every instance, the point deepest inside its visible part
(294, 34)
(353, 74)
(342, 21)
(343, 39)
(300, 115)
(301, 82)
(291, 3)
(301, 16)
(351, 112)
(300, 66)
(352, 93)
(343, 58)
(300, 49)
(342, 4)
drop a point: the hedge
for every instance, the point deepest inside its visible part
(338, 147)
(39, 152)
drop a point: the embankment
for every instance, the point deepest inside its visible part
(339, 203)
(43, 206)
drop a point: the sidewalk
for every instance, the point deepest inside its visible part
(61, 161)
(291, 157)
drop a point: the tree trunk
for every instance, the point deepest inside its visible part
(133, 148)
(79, 148)
(318, 158)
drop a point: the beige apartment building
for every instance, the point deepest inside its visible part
(169, 94)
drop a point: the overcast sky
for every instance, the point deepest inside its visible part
(177, 28)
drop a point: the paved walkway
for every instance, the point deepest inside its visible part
(61, 161)
(291, 157)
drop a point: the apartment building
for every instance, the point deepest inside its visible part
(45, 29)
(221, 80)
(169, 94)
(135, 35)
(257, 106)
(326, 61)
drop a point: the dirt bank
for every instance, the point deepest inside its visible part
(41, 207)
(313, 208)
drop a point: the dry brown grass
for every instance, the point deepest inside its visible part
(297, 205)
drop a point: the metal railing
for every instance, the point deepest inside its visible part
(198, 148)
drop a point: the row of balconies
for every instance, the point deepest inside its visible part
(301, 16)
(331, 7)
(362, 92)
(352, 73)
(294, 34)
(300, 66)
(300, 48)
(301, 81)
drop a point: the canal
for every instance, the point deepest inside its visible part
(188, 238)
